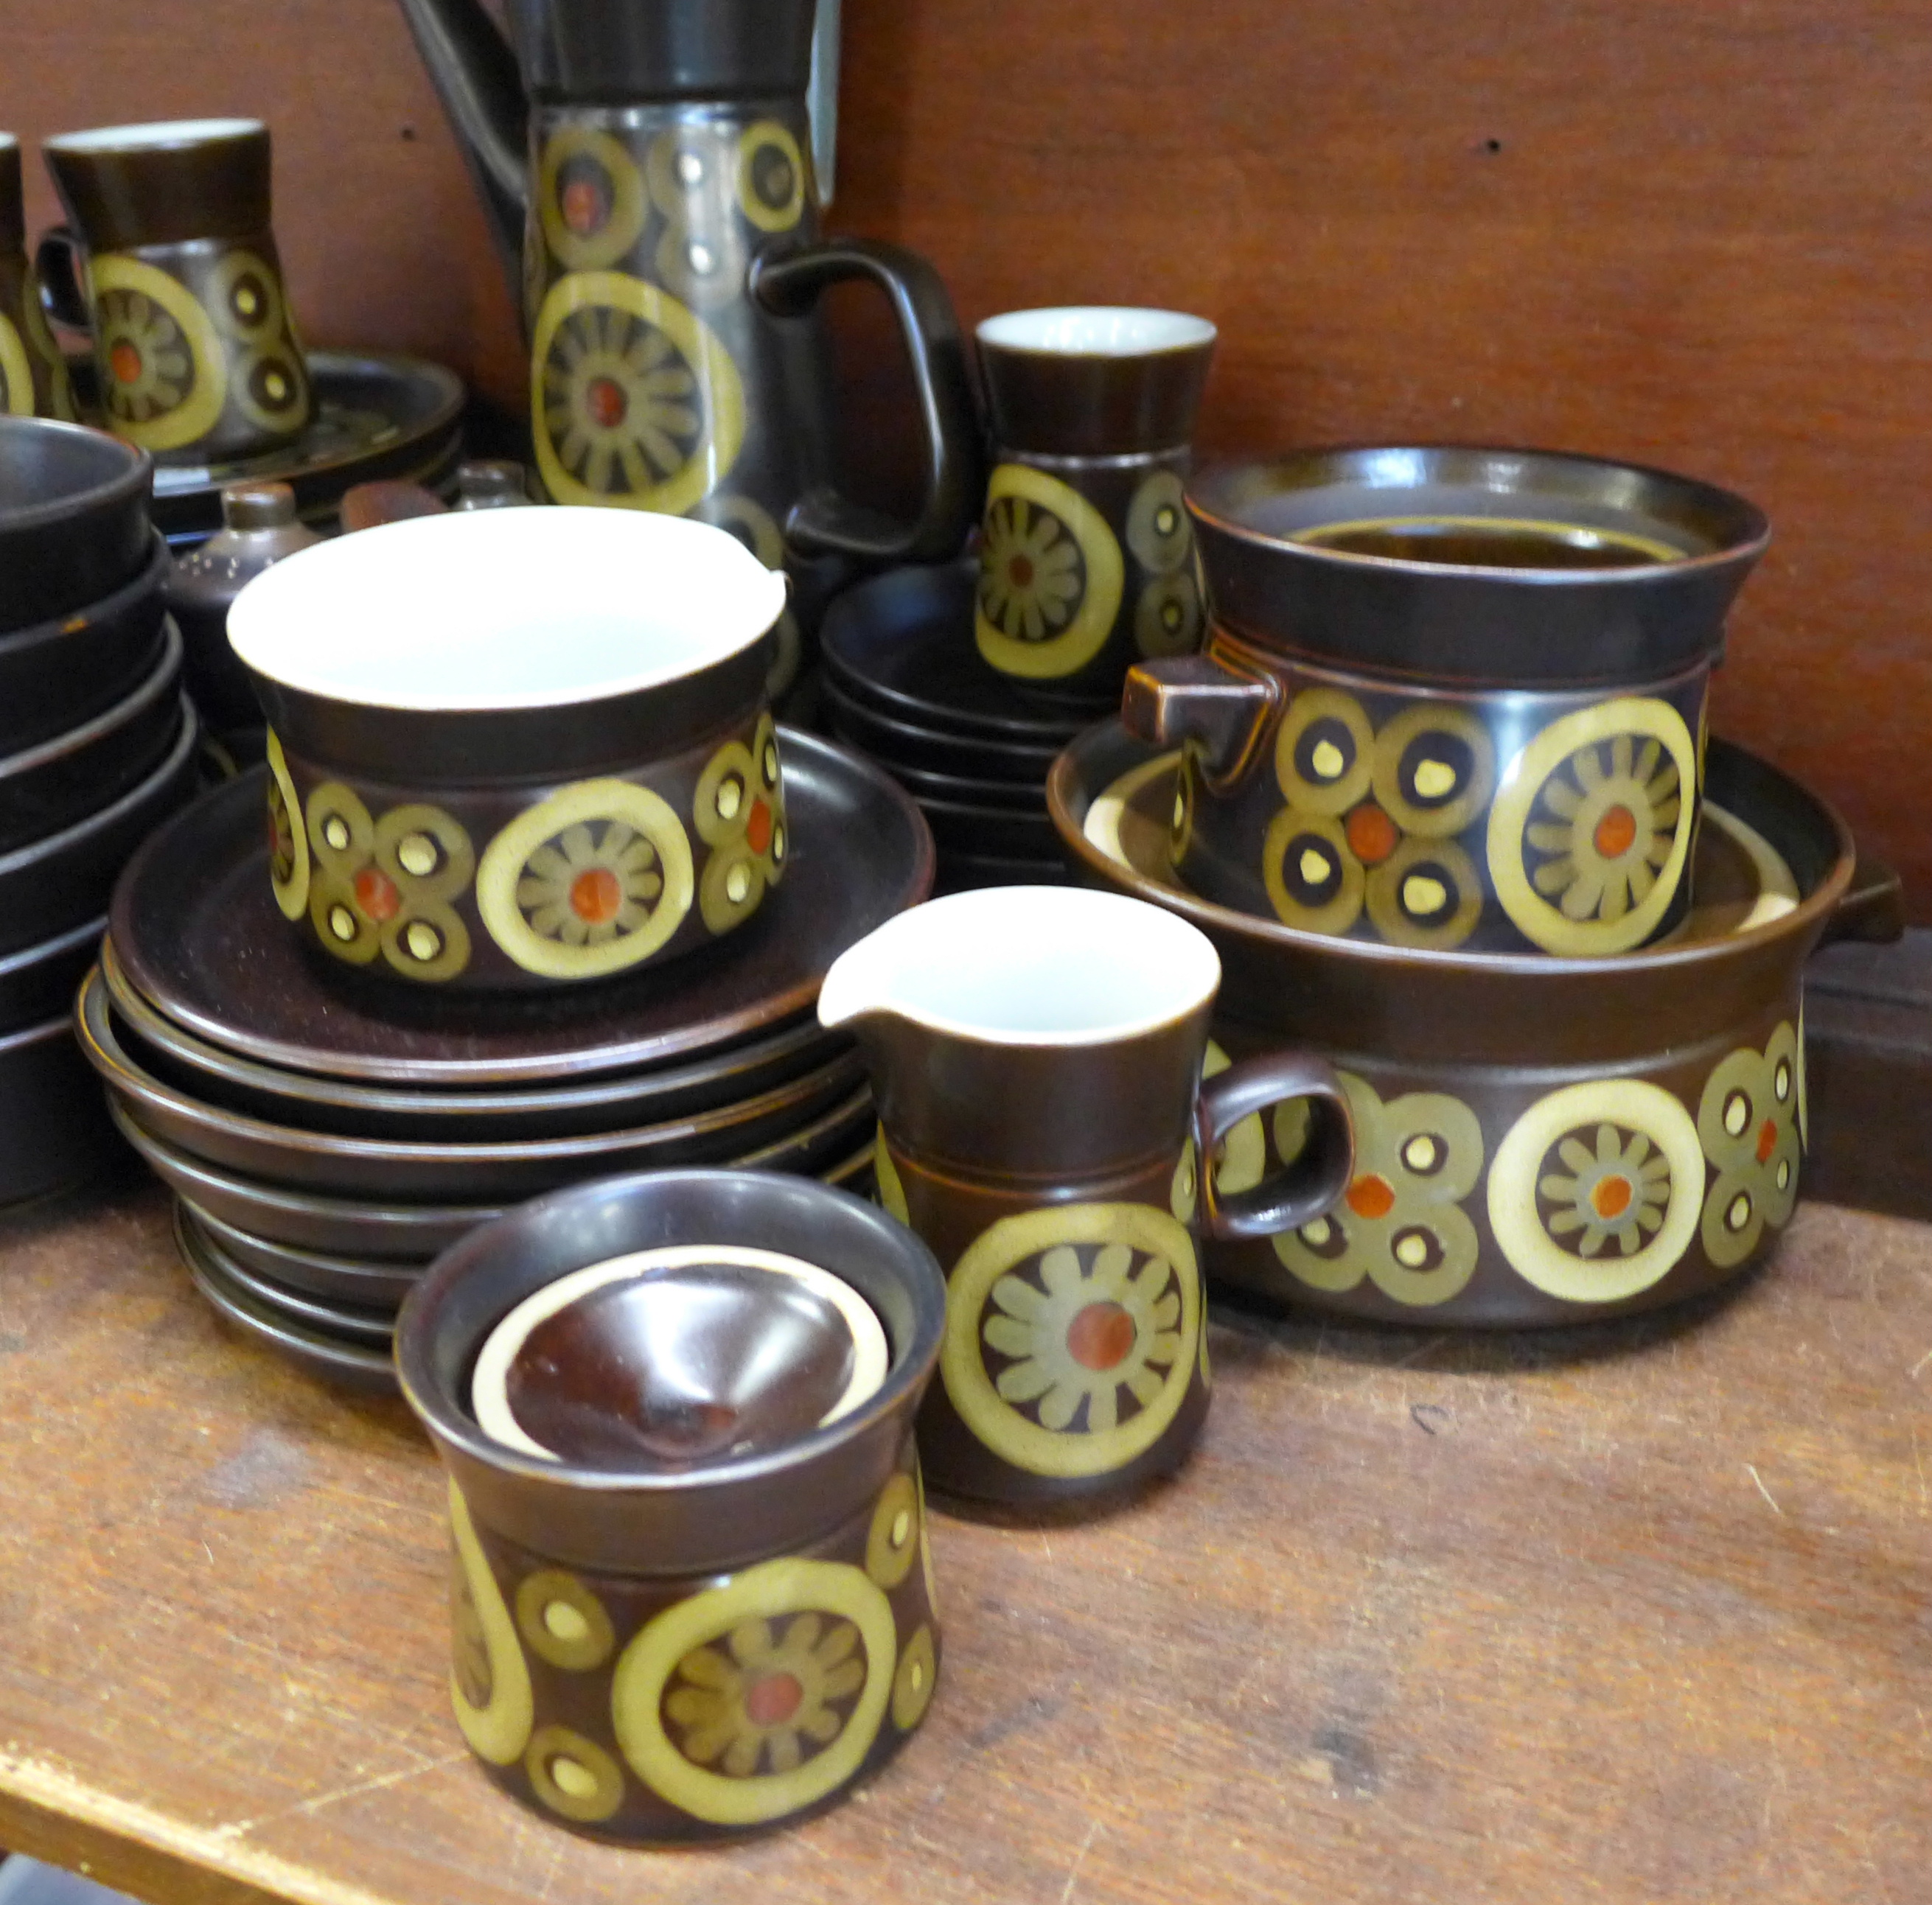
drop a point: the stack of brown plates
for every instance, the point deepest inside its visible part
(96, 744)
(325, 1138)
(903, 683)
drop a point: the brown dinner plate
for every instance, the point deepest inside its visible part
(198, 934)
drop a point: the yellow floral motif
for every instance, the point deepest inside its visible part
(1589, 835)
(384, 886)
(635, 400)
(761, 1696)
(489, 1682)
(1050, 577)
(1400, 1224)
(1594, 1194)
(160, 360)
(589, 882)
(1747, 1124)
(1092, 1313)
(739, 811)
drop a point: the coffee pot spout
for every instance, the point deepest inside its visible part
(476, 77)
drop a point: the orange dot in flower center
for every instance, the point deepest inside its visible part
(376, 894)
(771, 1699)
(1371, 1197)
(1767, 1141)
(583, 206)
(758, 827)
(1019, 571)
(606, 402)
(1100, 1336)
(1616, 833)
(125, 360)
(595, 896)
(1612, 1197)
(1372, 835)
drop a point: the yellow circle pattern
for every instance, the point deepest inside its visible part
(766, 136)
(200, 410)
(564, 1622)
(1618, 1104)
(912, 1682)
(893, 1540)
(573, 1776)
(1032, 516)
(624, 218)
(1305, 834)
(771, 1590)
(1337, 775)
(1463, 801)
(585, 803)
(1005, 1246)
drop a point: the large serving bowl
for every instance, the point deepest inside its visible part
(1452, 696)
(1538, 1141)
(518, 749)
(74, 518)
(698, 1602)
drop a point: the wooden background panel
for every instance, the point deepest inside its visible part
(1700, 236)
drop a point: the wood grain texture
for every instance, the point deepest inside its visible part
(1699, 236)
(1635, 1615)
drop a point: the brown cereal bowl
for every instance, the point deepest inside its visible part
(74, 518)
(714, 1615)
(1538, 1142)
(513, 751)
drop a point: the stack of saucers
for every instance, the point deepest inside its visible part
(326, 1140)
(903, 683)
(96, 744)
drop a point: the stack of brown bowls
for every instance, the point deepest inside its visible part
(901, 682)
(535, 903)
(1438, 789)
(97, 744)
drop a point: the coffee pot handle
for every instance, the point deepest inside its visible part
(823, 522)
(57, 264)
(1198, 701)
(1321, 1170)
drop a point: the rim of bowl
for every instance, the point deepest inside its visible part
(160, 135)
(136, 473)
(449, 1417)
(1101, 330)
(414, 592)
(1819, 902)
(149, 581)
(1753, 538)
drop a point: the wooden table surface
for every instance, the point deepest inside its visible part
(1638, 1613)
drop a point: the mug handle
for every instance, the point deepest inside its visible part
(57, 264)
(1300, 1192)
(1199, 701)
(822, 522)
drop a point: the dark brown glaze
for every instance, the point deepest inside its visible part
(1307, 797)
(899, 744)
(33, 374)
(38, 983)
(53, 1131)
(515, 747)
(690, 1364)
(213, 186)
(259, 529)
(58, 674)
(73, 520)
(13, 216)
(55, 783)
(1458, 622)
(973, 1441)
(1125, 517)
(1522, 1065)
(1091, 404)
(197, 932)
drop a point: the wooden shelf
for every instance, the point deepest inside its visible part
(1634, 1613)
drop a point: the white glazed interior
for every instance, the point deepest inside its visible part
(489, 1383)
(1096, 331)
(160, 137)
(1028, 966)
(499, 609)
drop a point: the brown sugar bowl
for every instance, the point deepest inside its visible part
(518, 749)
(692, 1593)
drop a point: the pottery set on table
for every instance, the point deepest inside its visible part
(965, 680)
(532, 888)
(97, 744)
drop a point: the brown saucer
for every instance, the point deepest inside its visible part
(389, 1167)
(895, 744)
(360, 1282)
(197, 932)
(402, 1232)
(234, 1083)
(353, 1323)
(347, 1365)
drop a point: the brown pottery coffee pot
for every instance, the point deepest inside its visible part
(651, 161)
